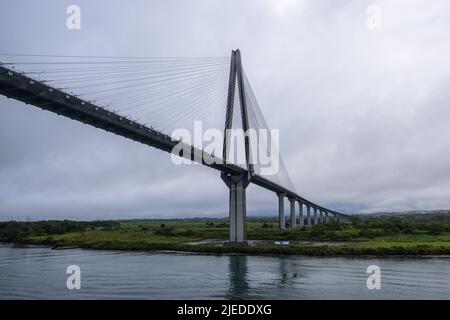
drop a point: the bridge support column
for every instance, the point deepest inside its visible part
(315, 217)
(282, 222)
(292, 213)
(238, 208)
(327, 217)
(308, 216)
(300, 212)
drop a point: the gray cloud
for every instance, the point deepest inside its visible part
(363, 114)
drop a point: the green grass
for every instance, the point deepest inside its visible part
(359, 238)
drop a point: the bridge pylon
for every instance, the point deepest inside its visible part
(237, 184)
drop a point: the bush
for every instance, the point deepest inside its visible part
(367, 233)
(222, 225)
(164, 230)
(436, 228)
(187, 233)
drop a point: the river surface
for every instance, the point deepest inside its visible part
(40, 273)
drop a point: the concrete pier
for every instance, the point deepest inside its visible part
(237, 185)
(308, 216)
(281, 220)
(301, 221)
(315, 217)
(292, 213)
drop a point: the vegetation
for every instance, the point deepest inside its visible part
(362, 236)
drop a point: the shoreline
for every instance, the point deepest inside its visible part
(286, 252)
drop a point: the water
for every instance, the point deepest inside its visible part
(40, 273)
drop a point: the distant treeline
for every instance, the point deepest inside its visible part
(13, 231)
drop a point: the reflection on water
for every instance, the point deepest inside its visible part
(238, 277)
(286, 271)
(40, 273)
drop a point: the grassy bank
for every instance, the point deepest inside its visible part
(378, 236)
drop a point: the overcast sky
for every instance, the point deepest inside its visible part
(363, 114)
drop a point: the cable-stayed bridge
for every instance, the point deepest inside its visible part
(148, 99)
